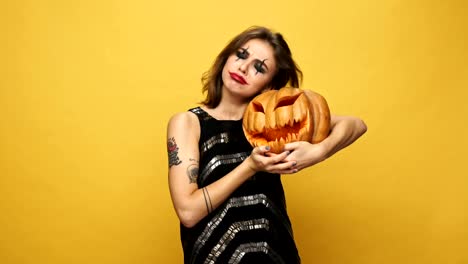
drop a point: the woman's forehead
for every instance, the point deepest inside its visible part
(260, 49)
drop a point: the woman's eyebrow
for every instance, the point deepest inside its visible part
(246, 50)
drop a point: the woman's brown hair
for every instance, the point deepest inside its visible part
(287, 70)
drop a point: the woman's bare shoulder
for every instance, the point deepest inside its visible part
(183, 122)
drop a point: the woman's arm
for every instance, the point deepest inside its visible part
(344, 131)
(192, 203)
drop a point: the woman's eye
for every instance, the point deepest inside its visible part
(242, 54)
(259, 67)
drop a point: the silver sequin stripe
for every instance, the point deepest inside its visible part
(222, 160)
(235, 228)
(255, 247)
(234, 203)
(202, 114)
(220, 138)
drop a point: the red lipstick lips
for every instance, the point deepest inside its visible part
(238, 78)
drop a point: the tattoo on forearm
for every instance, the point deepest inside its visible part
(173, 151)
(192, 171)
(209, 206)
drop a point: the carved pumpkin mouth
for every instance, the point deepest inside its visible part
(288, 133)
(285, 129)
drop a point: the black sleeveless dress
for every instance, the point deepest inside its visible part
(252, 225)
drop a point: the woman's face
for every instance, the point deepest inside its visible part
(250, 69)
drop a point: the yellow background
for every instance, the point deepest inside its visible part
(87, 88)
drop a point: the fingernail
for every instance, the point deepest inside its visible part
(294, 163)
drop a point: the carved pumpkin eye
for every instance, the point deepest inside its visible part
(287, 101)
(258, 107)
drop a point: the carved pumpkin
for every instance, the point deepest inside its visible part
(277, 117)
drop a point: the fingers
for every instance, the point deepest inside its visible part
(280, 157)
(289, 166)
(271, 162)
(285, 167)
(291, 146)
(259, 158)
(289, 171)
(262, 150)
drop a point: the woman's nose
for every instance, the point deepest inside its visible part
(243, 66)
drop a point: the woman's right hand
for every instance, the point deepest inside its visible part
(262, 160)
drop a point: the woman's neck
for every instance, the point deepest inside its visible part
(229, 109)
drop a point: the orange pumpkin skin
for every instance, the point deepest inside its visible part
(277, 117)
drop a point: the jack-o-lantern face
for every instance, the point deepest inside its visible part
(277, 117)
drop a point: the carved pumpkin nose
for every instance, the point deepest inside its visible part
(277, 117)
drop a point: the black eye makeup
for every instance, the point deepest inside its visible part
(260, 66)
(242, 53)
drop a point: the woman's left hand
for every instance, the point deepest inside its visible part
(344, 131)
(305, 154)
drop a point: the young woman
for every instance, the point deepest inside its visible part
(228, 196)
